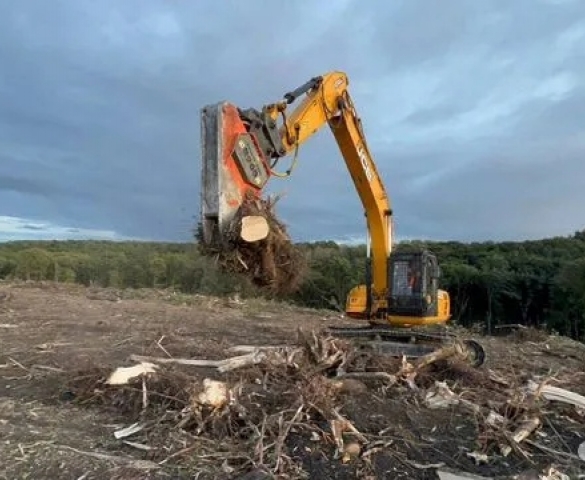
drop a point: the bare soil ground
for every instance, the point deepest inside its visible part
(51, 334)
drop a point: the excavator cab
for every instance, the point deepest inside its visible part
(414, 284)
(413, 298)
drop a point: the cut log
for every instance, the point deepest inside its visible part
(225, 365)
(451, 350)
(241, 361)
(255, 348)
(178, 361)
(254, 228)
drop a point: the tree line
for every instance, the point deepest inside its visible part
(539, 283)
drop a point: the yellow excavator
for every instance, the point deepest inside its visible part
(400, 301)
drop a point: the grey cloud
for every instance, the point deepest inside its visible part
(39, 228)
(419, 31)
(526, 186)
(27, 186)
(99, 110)
(434, 114)
(550, 122)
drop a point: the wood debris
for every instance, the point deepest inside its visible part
(441, 397)
(117, 459)
(138, 446)
(524, 430)
(556, 394)
(128, 431)
(263, 398)
(449, 475)
(215, 394)
(123, 375)
(257, 246)
(253, 357)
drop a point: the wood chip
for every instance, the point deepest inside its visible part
(122, 375)
(139, 446)
(126, 432)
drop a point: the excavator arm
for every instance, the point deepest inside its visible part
(241, 149)
(326, 101)
(240, 152)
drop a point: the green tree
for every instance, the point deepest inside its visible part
(33, 264)
(461, 280)
(495, 278)
(571, 286)
(7, 266)
(158, 269)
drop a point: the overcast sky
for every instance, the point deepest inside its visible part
(474, 112)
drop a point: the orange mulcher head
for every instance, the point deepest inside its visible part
(233, 166)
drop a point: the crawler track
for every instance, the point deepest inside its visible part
(407, 342)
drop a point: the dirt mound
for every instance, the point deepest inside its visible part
(322, 406)
(274, 264)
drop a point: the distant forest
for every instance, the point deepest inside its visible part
(536, 283)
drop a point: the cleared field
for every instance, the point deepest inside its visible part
(51, 334)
